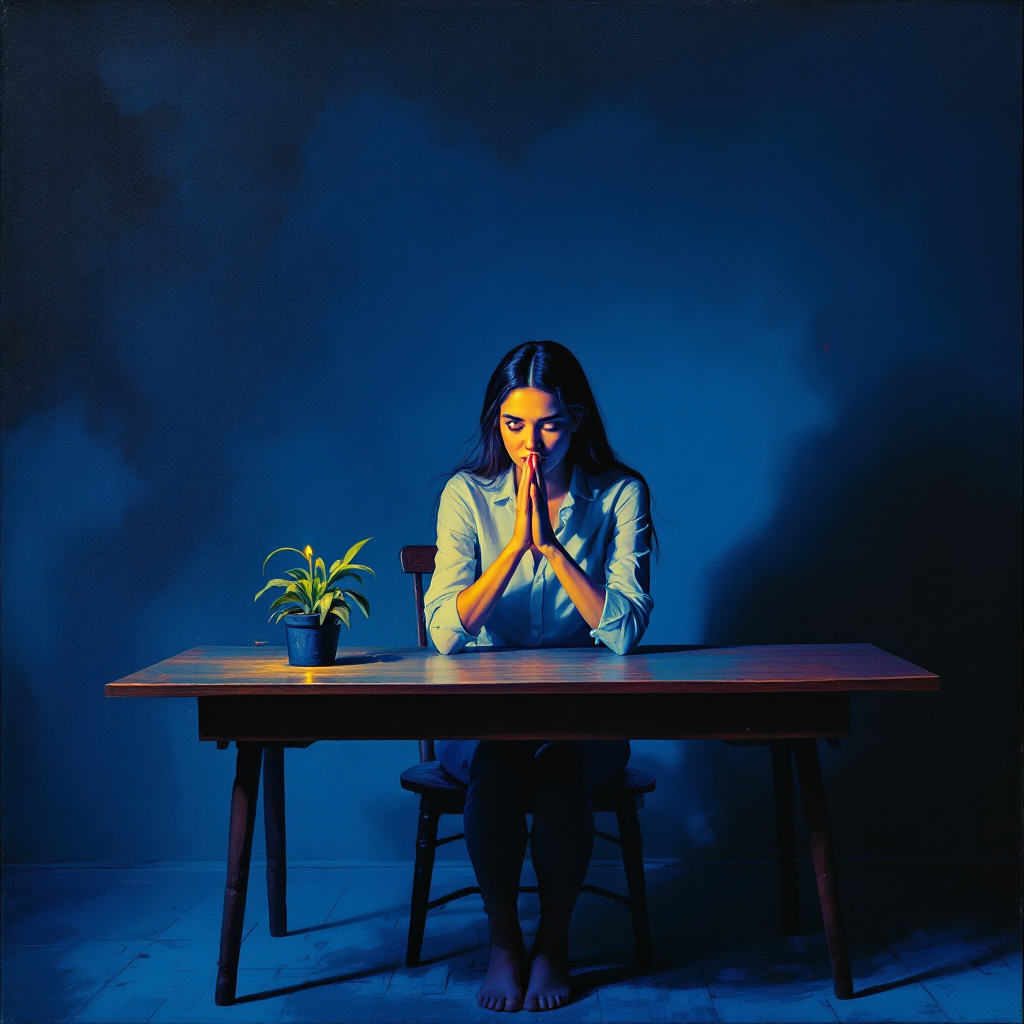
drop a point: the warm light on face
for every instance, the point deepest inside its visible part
(534, 421)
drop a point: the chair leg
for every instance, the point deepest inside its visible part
(812, 789)
(242, 821)
(426, 843)
(789, 891)
(273, 821)
(633, 864)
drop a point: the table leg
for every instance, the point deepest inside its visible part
(785, 839)
(812, 789)
(243, 818)
(273, 821)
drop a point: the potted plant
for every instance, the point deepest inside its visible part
(315, 603)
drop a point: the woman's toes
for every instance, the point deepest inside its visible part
(502, 989)
(549, 984)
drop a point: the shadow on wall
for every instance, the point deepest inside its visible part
(900, 527)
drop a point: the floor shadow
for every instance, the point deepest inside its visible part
(336, 979)
(369, 916)
(940, 972)
(706, 910)
(451, 955)
(586, 981)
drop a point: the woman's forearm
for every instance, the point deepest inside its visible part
(584, 593)
(477, 601)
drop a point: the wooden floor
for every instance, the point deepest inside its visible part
(929, 942)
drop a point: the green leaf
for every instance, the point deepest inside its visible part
(287, 599)
(289, 608)
(289, 611)
(277, 551)
(324, 607)
(272, 583)
(298, 574)
(354, 550)
(340, 575)
(341, 611)
(299, 590)
(319, 564)
(365, 568)
(361, 600)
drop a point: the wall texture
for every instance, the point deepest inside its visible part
(259, 264)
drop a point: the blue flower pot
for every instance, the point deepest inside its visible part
(309, 643)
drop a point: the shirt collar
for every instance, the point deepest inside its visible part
(506, 488)
(580, 485)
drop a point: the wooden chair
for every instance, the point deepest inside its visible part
(440, 794)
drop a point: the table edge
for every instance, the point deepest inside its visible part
(891, 684)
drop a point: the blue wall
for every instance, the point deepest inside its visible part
(258, 266)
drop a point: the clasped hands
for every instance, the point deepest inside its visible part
(533, 530)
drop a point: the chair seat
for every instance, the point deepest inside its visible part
(631, 784)
(432, 781)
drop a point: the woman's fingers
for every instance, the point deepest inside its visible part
(535, 506)
(537, 522)
(538, 474)
(523, 529)
(525, 477)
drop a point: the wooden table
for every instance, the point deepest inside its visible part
(786, 696)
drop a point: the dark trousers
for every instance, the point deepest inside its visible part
(557, 778)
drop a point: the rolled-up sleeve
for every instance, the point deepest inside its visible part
(628, 602)
(455, 568)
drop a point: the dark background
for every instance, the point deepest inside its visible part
(260, 260)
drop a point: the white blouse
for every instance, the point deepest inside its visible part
(604, 525)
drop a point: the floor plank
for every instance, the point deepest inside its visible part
(132, 945)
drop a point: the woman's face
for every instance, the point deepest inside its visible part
(534, 421)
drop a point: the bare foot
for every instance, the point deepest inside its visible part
(503, 988)
(549, 983)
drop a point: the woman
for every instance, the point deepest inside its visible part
(543, 540)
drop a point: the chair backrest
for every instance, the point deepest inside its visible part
(419, 559)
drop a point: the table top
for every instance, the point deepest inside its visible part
(391, 671)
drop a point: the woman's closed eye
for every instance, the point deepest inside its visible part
(516, 427)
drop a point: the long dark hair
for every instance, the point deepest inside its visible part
(551, 367)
